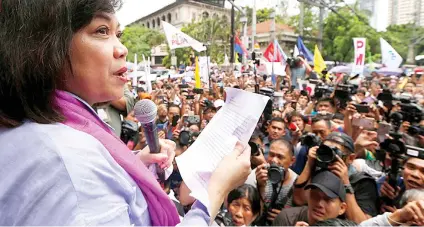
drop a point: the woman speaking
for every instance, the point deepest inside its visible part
(60, 163)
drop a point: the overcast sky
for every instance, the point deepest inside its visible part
(136, 9)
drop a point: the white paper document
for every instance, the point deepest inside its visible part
(236, 120)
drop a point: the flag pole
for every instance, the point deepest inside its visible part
(272, 16)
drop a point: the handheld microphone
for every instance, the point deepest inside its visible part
(145, 111)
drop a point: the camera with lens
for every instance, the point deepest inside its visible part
(129, 131)
(327, 155)
(310, 140)
(224, 218)
(208, 103)
(276, 173)
(293, 62)
(396, 150)
(187, 138)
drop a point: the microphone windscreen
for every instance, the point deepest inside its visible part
(145, 111)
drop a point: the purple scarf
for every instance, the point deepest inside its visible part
(78, 116)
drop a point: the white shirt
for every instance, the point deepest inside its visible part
(55, 175)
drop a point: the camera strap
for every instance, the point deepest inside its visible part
(275, 194)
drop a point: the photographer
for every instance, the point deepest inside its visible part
(336, 154)
(275, 179)
(321, 128)
(411, 213)
(299, 69)
(412, 178)
(326, 105)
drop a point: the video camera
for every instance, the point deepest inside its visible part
(293, 62)
(410, 111)
(323, 91)
(396, 150)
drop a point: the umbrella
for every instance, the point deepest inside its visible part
(390, 71)
(341, 69)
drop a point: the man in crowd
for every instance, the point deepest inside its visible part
(412, 178)
(375, 90)
(362, 193)
(277, 195)
(300, 71)
(321, 127)
(326, 105)
(276, 130)
(327, 200)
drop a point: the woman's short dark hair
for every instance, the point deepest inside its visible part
(249, 192)
(296, 114)
(34, 53)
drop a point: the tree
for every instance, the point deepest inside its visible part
(310, 22)
(214, 31)
(140, 40)
(399, 36)
(263, 14)
(339, 31)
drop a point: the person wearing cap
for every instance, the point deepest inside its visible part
(327, 200)
(361, 189)
(412, 178)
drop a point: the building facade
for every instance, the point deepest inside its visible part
(406, 11)
(285, 35)
(183, 12)
(180, 13)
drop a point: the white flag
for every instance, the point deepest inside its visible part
(177, 39)
(296, 51)
(146, 65)
(391, 58)
(359, 60)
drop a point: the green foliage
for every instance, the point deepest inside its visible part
(214, 31)
(140, 40)
(399, 36)
(339, 31)
(310, 22)
(263, 14)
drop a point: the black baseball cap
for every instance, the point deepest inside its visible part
(328, 183)
(342, 139)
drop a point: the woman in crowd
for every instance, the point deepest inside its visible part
(58, 58)
(244, 205)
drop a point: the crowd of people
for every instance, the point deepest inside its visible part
(317, 159)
